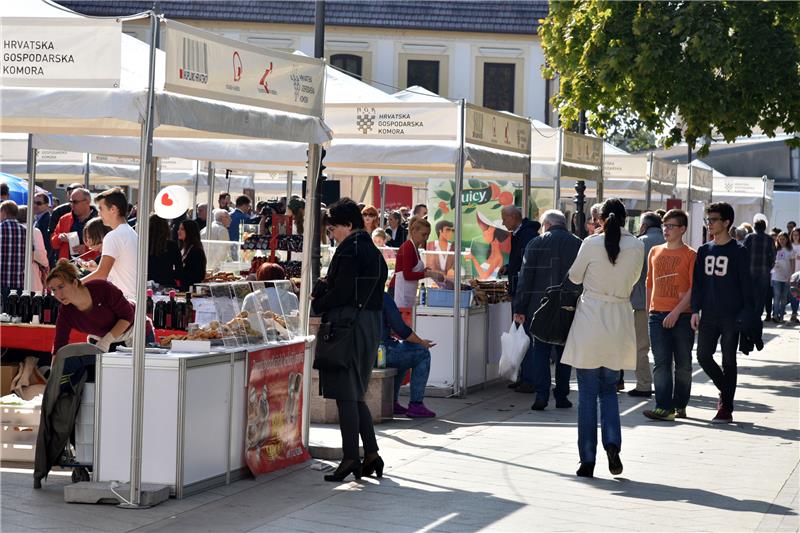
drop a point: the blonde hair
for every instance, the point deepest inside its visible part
(416, 222)
(65, 271)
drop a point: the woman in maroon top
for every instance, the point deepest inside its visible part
(96, 307)
(409, 267)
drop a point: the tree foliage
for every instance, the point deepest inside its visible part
(694, 69)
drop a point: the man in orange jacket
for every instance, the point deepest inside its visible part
(82, 212)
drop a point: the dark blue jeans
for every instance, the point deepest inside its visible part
(406, 356)
(536, 370)
(780, 294)
(673, 345)
(597, 384)
(722, 329)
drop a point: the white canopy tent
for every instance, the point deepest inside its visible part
(748, 195)
(642, 181)
(694, 187)
(104, 105)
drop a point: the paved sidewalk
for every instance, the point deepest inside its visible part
(488, 462)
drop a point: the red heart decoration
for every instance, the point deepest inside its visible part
(166, 200)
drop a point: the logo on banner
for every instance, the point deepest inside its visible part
(477, 125)
(263, 82)
(237, 66)
(303, 85)
(365, 119)
(505, 133)
(494, 127)
(194, 66)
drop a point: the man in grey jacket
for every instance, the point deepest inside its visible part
(546, 262)
(651, 235)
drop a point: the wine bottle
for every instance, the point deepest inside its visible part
(150, 304)
(158, 314)
(25, 307)
(47, 308)
(12, 304)
(189, 318)
(36, 308)
(169, 314)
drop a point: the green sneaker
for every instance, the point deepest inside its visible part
(660, 414)
(680, 413)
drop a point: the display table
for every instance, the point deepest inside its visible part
(40, 337)
(208, 417)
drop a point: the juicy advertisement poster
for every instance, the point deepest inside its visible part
(273, 438)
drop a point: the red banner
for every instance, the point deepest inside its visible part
(273, 438)
(397, 196)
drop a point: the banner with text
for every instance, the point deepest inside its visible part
(60, 52)
(388, 120)
(627, 167)
(494, 129)
(741, 186)
(582, 149)
(204, 64)
(664, 176)
(273, 437)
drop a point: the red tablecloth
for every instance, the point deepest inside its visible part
(39, 338)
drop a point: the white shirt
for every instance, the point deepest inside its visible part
(122, 243)
(216, 253)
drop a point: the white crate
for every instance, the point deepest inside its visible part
(13, 435)
(20, 416)
(84, 443)
(23, 453)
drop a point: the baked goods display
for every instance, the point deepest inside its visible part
(221, 277)
(490, 291)
(238, 326)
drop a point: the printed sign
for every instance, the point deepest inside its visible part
(494, 129)
(631, 167)
(702, 178)
(664, 176)
(419, 120)
(739, 186)
(211, 66)
(582, 149)
(60, 52)
(273, 437)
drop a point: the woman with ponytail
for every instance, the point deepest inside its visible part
(602, 340)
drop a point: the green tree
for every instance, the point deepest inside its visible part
(693, 69)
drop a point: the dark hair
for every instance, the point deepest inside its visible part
(224, 195)
(788, 241)
(651, 220)
(114, 198)
(10, 208)
(243, 200)
(723, 209)
(159, 235)
(343, 212)
(95, 230)
(192, 231)
(270, 272)
(443, 224)
(416, 207)
(4, 189)
(65, 271)
(613, 212)
(662, 212)
(760, 225)
(678, 214)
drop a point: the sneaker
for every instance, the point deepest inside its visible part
(680, 413)
(794, 319)
(418, 410)
(399, 409)
(724, 416)
(660, 414)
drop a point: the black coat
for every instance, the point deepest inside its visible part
(194, 268)
(44, 226)
(356, 278)
(166, 268)
(528, 229)
(546, 262)
(402, 236)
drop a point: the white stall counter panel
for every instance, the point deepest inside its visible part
(436, 324)
(193, 433)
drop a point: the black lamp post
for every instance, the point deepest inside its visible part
(580, 203)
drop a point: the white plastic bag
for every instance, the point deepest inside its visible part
(514, 344)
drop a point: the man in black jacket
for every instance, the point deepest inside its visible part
(547, 260)
(41, 210)
(522, 231)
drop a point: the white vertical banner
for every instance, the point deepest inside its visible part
(582, 149)
(60, 52)
(204, 64)
(504, 131)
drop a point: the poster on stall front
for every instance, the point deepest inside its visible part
(273, 438)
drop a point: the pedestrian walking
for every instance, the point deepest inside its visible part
(794, 237)
(650, 234)
(721, 294)
(761, 249)
(602, 339)
(547, 260)
(670, 268)
(781, 272)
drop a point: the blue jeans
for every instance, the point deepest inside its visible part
(597, 384)
(780, 292)
(538, 371)
(407, 355)
(672, 345)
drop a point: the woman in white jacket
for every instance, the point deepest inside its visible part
(602, 339)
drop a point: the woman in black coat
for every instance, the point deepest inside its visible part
(353, 289)
(164, 265)
(193, 257)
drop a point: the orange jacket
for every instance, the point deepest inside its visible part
(64, 226)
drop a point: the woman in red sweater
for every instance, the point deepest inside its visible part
(409, 267)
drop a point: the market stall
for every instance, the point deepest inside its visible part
(173, 110)
(748, 195)
(694, 189)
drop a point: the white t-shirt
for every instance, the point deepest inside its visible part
(122, 243)
(783, 266)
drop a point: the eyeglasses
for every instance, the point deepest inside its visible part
(713, 220)
(672, 226)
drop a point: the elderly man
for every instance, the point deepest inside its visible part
(12, 249)
(522, 231)
(547, 260)
(651, 235)
(202, 215)
(82, 212)
(62, 209)
(216, 252)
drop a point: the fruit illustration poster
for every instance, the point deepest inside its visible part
(273, 437)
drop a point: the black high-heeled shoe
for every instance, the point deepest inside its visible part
(345, 469)
(374, 466)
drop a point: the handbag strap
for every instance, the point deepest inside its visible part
(358, 307)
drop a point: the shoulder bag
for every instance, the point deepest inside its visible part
(552, 321)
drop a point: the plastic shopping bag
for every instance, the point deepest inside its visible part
(514, 344)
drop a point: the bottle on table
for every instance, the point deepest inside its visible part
(179, 320)
(381, 361)
(11, 307)
(189, 316)
(150, 304)
(25, 307)
(159, 312)
(169, 315)
(36, 308)
(47, 308)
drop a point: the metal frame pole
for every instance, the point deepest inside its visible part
(648, 200)
(211, 178)
(32, 155)
(764, 195)
(600, 185)
(383, 202)
(461, 356)
(310, 233)
(526, 192)
(87, 170)
(140, 317)
(289, 183)
(559, 155)
(196, 188)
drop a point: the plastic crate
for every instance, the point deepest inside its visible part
(444, 298)
(19, 435)
(12, 415)
(23, 453)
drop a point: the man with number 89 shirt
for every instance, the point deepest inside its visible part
(722, 290)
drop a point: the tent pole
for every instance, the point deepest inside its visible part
(526, 193)
(383, 222)
(289, 183)
(557, 184)
(32, 154)
(764, 195)
(460, 360)
(648, 201)
(212, 177)
(196, 188)
(600, 192)
(310, 233)
(87, 171)
(140, 317)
